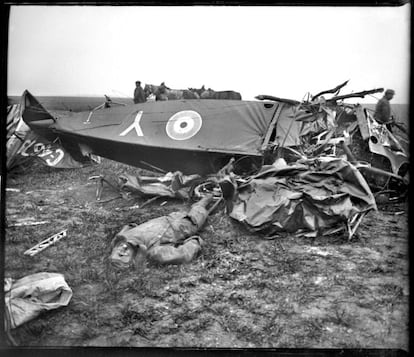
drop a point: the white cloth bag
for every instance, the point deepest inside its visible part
(27, 297)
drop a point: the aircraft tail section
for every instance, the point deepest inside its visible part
(36, 116)
(42, 140)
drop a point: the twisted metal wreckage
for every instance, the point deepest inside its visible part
(282, 166)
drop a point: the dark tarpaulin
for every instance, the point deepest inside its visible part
(310, 197)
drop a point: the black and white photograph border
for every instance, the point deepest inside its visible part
(206, 177)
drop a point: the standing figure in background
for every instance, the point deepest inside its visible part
(139, 95)
(383, 109)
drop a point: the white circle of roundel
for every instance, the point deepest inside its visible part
(183, 125)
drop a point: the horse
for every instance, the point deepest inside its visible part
(226, 94)
(151, 90)
(162, 92)
(207, 94)
(198, 91)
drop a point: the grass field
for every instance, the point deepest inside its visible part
(243, 291)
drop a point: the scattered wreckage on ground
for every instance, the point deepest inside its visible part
(279, 166)
(310, 164)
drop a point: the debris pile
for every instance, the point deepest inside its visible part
(310, 197)
(331, 127)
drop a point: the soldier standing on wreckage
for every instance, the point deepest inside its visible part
(166, 240)
(139, 95)
(383, 109)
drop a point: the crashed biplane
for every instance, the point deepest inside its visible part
(201, 136)
(312, 159)
(191, 136)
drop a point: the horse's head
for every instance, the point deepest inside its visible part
(197, 91)
(160, 91)
(150, 89)
(147, 90)
(207, 94)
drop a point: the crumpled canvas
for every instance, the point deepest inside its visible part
(312, 196)
(27, 297)
(174, 185)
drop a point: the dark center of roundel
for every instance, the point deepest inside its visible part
(183, 125)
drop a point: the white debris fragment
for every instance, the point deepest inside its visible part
(12, 190)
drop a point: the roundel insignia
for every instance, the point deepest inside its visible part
(183, 125)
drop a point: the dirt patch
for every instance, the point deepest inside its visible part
(243, 291)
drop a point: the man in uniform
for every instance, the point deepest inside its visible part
(139, 95)
(383, 109)
(166, 240)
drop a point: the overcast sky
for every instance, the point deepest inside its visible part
(281, 51)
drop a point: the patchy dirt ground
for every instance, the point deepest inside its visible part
(243, 291)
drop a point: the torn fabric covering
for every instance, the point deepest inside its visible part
(287, 128)
(49, 153)
(296, 122)
(23, 144)
(27, 297)
(13, 118)
(17, 130)
(310, 197)
(337, 120)
(171, 185)
(382, 142)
